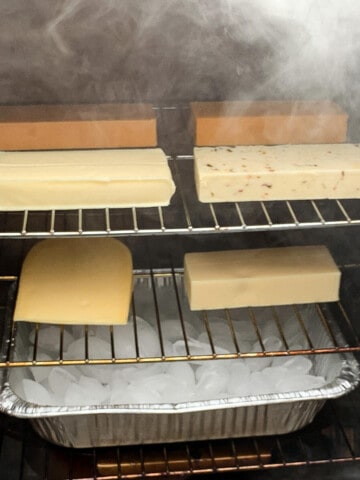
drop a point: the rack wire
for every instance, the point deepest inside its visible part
(331, 440)
(159, 298)
(184, 215)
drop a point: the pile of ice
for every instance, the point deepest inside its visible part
(163, 382)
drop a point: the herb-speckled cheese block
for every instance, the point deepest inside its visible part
(283, 172)
(75, 281)
(260, 277)
(84, 179)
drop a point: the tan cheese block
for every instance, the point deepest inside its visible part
(84, 179)
(260, 277)
(267, 123)
(55, 127)
(282, 172)
(75, 281)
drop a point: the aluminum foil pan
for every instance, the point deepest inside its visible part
(269, 414)
(130, 424)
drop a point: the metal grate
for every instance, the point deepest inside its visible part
(185, 215)
(333, 439)
(159, 296)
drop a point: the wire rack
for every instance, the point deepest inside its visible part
(332, 439)
(159, 296)
(185, 215)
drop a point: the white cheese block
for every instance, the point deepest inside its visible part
(282, 172)
(260, 277)
(75, 281)
(86, 178)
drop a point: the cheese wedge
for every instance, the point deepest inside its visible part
(267, 122)
(84, 179)
(260, 277)
(49, 127)
(75, 281)
(283, 172)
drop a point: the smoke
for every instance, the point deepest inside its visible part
(178, 50)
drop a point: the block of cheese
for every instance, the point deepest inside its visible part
(84, 179)
(75, 281)
(260, 277)
(267, 122)
(49, 127)
(281, 172)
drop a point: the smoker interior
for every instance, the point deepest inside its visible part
(330, 443)
(158, 61)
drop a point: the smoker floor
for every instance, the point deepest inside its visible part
(331, 444)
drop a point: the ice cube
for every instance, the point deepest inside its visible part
(103, 332)
(221, 341)
(183, 374)
(244, 331)
(49, 338)
(117, 381)
(298, 364)
(59, 379)
(95, 392)
(75, 395)
(168, 348)
(195, 347)
(271, 343)
(35, 392)
(135, 394)
(212, 379)
(257, 363)
(172, 330)
(97, 349)
(124, 339)
(274, 374)
(241, 389)
(156, 383)
(239, 378)
(131, 373)
(299, 382)
(40, 373)
(298, 341)
(119, 396)
(103, 373)
(260, 384)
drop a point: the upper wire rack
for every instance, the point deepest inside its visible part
(184, 215)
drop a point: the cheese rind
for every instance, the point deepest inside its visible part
(75, 281)
(267, 122)
(84, 179)
(283, 172)
(49, 127)
(260, 277)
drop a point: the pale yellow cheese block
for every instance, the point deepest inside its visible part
(260, 277)
(282, 172)
(75, 281)
(84, 179)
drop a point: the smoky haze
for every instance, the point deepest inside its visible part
(176, 50)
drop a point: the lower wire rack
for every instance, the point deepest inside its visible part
(162, 328)
(173, 332)
(333, 438)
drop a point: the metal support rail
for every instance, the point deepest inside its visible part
(317, 329)
(179, 218)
